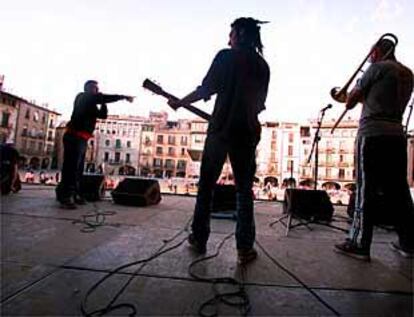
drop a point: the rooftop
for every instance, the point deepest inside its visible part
(49, 262)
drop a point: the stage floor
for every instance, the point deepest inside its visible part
(49, 262)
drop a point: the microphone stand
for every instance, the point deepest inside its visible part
(315, 145)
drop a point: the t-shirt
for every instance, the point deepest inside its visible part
(240, 78)
(386, 87)
(86, 111)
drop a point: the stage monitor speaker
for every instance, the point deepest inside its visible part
(311, 205)
(137, 192)
(224, 198)
(92, 186)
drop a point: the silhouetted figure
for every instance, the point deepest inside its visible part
(78, 131)
(10, 181)
(381, 151)
(239, 76)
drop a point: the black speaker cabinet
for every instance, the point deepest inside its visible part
(137, 192)
(224, 198)
(92, 187)
(308, 204)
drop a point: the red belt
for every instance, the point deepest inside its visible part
(80, 134)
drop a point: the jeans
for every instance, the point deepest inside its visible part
(241, 151)
(73, 163)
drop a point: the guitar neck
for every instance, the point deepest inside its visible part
(189, 107)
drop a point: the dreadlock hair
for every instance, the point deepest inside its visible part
(248, 31)
(387, 48)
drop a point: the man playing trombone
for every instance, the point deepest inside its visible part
(381, 153)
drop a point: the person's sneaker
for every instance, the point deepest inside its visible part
(79, 200)
(195, 245)
(245, 256)
(350, 249)
(406, 253)
(67, 204)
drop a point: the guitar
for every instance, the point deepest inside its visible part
(156, 89)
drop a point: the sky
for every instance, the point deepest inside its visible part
(49, 48)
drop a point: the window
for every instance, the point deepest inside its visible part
(341, 158)
(51, 124)
(291, 137)
(198, 139)
(160, 139)
(171, 151)
(159, 150)
(25, 131)
(289, 166)
(5, 119)
(328, 173)
(290, 150)
(128, 143)
(182, 151)
(127, 158)
(40, 146)
(329, 158)
(171, 139)
(27, 115)
(341, 173)
(107, 143)
(106, 157)
(36, 116)
(117, 157)
(118, 143)
(183, 140)
(44, 118)
(169, 163)
(181, 164)
(50, 136)
(157, 162)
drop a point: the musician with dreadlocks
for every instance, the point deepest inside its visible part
(239, 76)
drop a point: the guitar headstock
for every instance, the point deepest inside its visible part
(151, 86)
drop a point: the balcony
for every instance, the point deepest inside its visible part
(32, 152)
(116, 162)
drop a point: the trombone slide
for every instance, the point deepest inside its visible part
(338, 121)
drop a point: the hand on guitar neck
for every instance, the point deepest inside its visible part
(173, 101)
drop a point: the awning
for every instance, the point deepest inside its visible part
(195, 155)
(331, 185)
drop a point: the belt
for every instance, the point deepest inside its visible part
(80, 134)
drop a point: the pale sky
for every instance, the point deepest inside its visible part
(49, 48)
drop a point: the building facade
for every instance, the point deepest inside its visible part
(336, 153)
(170, 156)
(9, 107)
(35, 135)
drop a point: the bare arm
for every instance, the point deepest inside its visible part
(192, 97)
(353, 98)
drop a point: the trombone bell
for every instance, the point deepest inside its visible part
(339, 95)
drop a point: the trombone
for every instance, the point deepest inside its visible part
(341, 94)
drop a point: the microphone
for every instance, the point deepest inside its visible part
(329, 106)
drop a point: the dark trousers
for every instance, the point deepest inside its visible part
(242, 158)
(73, 163)
(383, 195)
